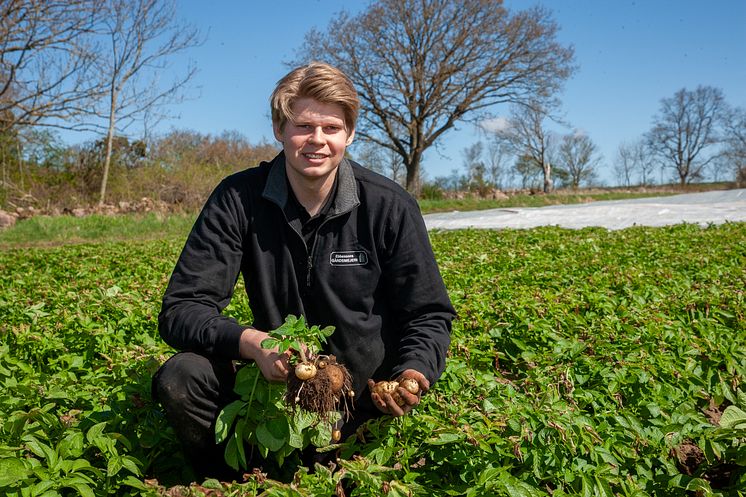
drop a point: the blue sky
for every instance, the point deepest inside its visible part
(630, 55)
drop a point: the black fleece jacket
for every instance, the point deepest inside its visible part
(371, 274)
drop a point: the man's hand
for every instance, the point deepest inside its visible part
(388, 405)
(273, 365)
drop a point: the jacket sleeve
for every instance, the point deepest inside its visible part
(417, 294)
(204, 279)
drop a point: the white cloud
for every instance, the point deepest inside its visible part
(495, 124)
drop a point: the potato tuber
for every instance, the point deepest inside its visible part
(305, 371)
(392, 388)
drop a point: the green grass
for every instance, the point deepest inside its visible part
(582, 363)
(45, 230)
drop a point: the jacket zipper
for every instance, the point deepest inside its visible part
(309, 254)
(309, 262)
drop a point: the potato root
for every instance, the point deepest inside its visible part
(328, 389)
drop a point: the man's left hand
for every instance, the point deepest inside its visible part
(386, 403)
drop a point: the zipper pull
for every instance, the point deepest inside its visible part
(309, 266)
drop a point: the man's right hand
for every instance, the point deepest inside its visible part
(272, 364)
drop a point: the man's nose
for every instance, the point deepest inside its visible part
(317, 135)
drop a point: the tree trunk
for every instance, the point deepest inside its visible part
(413, 175)
(109, 146)
(20, 163)
(683, 175)
(547, 178)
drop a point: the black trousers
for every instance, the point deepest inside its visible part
(193, 389)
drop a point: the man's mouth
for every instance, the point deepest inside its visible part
(314, 156)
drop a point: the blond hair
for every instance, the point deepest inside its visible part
(319, 81)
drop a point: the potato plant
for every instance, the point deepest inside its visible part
(280, 419)
(318, 383)
(583, 362)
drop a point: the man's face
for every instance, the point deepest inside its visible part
(315, 141)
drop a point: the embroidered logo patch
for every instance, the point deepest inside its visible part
(348, 258)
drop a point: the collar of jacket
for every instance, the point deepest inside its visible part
(276, 189)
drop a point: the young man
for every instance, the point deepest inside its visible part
(313, 234)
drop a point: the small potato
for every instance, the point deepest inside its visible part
(383, 387)
(410, 385)
(305, 371)
(389, 387)
(336, 377)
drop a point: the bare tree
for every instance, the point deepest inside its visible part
(734, 152)
(624, 163)
(424, 65)
(381, 160)
(138, 38)
(370, 156)
(497, 157)
(46, 70)
(685, 130)
(396, 169)
(644, 162)
(531, 141)
(634, 158)
(476, 170)
(578, 157)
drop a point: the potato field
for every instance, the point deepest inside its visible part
(589, 363)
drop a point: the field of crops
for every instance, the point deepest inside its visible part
(587, 362)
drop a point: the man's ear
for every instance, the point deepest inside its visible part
(350, 138)
(277, 130)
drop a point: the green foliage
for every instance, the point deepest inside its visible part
(295, 334)
(612, 345)
(261, 419)
(78, 345)
(583, 362)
